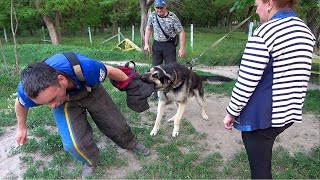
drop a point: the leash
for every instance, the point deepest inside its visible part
(189, 63)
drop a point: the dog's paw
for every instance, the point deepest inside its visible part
(154, 132)
(171, 119)
(205, 117)
(175, 134)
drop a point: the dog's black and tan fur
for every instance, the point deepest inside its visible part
(175, 82)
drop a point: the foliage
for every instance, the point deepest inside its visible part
(76, 16)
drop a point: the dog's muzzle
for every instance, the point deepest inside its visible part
(144, 78)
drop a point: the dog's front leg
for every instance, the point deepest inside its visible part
(160, 111)
(172, 118)
(177, 118)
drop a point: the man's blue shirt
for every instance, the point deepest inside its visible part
(94, 73)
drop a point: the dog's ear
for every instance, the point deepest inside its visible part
(155, 75)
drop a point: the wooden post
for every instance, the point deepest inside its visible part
(89, 31)
(118, 34)
(250, 29)
(132, 37)
(191, 37)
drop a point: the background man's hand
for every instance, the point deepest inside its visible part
(146, 48)
(181, 53)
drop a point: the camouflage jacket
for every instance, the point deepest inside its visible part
(170, 24)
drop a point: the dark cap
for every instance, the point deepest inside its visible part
(159, 3)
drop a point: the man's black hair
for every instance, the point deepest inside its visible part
(36, 77)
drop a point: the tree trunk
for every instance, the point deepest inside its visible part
(51, 29)
(318, 38)
(101, 26)
(58, 20)
(4, 56)
(313, 24)
(114, 29)
(50, 25)
(144, 6)
(229, 21)
(30, 31)
(14, 29)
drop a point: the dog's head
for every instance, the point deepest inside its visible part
(159, 77)
(164, 76)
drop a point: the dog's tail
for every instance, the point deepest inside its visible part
(216, 78)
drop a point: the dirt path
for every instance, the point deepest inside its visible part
(9, 165)
(299, 137)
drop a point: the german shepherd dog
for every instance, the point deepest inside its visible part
(176, 82)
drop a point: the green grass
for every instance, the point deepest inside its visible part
(312, 101)
(228, 52)
(177, 158)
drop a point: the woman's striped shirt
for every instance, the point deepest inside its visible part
(273, 76)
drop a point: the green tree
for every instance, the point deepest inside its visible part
(5, 15)
(310, 11)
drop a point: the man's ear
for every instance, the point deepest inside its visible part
(61, 77)
(62, 80)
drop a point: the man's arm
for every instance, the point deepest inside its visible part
(21, 114)
(146, 38)
(115, 74)
(182, 38)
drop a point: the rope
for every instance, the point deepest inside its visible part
(189, 64)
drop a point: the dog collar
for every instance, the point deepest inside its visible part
(175, 85)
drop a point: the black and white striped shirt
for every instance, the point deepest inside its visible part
(273, 76)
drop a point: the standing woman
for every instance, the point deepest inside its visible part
(272, 82)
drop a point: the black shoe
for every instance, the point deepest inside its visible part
(141, 149)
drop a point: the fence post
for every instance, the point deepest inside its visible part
(89, 31)
(250, 29)
(132, 38)
(191, 37)
(118, 34)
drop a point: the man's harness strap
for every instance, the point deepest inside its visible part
(76, 67)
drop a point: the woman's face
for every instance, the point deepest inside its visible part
(262, 10)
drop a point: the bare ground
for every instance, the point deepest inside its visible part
(299, 137)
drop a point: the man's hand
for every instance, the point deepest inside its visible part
(181, 53)
(21, 136)
(146, 48)
(228, 121)
(21, 114)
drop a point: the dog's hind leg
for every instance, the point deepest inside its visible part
(199, 99)
(177, 118)
(160, 112)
